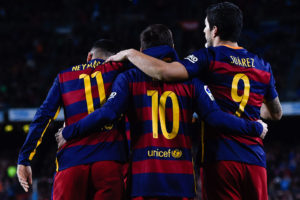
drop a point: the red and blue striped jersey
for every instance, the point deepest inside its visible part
(239, 81)
(160, 116)
(79, 90)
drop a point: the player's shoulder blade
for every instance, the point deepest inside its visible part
(110, 66)
(257, 61)
(73, 72)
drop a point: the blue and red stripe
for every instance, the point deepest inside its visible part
(252, 73)
(106, 145)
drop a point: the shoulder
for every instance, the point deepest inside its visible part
(133, 72)
(128, 73)
(265, 65)
(259, 62)
(72, 73)
(112, 65)
(199, 53)
(202, 56)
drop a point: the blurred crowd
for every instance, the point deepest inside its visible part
(43, 166)
(38, 38)
(10, 188)
(283, 171)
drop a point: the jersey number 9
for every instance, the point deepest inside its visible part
(243, 99)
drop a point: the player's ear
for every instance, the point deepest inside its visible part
(89, 57)
(214, 31)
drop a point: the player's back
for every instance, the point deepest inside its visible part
(239, 81)
(84, 88)
(160, 116)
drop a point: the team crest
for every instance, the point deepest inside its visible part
(108, 126)
(176, 153)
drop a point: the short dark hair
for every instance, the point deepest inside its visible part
(228, 18)
(106, 46)
(156, 35)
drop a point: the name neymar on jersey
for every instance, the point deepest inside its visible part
(85, 66)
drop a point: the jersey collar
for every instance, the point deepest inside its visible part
(231, 47)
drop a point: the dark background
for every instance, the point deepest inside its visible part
(40, 38)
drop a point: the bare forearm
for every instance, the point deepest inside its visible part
(271, 110)
(151, 66)
(156, 68)
(264, 112)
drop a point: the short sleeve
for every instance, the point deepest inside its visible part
(271, 92)
(196, 62)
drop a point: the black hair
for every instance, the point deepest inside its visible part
(106, 46)
(156, 35)
(228, 18)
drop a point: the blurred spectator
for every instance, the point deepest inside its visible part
(38, 39)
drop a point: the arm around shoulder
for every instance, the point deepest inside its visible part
(154, 67)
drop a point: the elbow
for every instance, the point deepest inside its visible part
(165, 72)
(110, 118)
(277, 116)
(161, 75)
(113, 117)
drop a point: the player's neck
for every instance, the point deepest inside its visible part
(219, 42)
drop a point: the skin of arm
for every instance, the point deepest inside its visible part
(151, 66)
(45, 114)
(24, 174)
(271, 110)
(175, 71)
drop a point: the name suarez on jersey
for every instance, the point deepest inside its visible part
(243, 62)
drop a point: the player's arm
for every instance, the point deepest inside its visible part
(45, 114)
(151, 66)
(116, 105)
(271, 110)
(211, 113)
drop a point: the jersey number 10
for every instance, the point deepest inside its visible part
(159, 109)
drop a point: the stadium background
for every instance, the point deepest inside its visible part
(40, 38)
